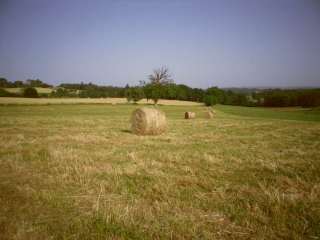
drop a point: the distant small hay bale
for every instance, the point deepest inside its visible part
(209, 114)
(148, 121)
(189, 115)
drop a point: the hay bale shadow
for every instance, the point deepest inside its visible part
(126, 131)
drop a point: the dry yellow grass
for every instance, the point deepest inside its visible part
(39, 90)
(76, 172)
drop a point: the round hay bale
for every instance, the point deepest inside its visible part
(148, 121)
(209, 114)
(189, 115)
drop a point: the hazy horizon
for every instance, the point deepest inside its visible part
(248, 43)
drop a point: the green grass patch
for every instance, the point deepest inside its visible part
(289, 113)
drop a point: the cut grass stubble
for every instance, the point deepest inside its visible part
(80, 174)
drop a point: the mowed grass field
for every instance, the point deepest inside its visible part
(40, 90)
(77, 172)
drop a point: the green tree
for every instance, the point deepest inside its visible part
(158, 80)
(209, 100)
(62, 92)
(147, 89)
(4, 83)
(128, 93)
(137, 94)
(156, 92)
(217, 93)
(37, 83)
(18, 83)
(30, 92)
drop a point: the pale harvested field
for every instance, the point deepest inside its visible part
(44, 101)
(77, 172)
(39, 90)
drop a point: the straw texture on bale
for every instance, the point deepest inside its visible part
(189, 115)
(209, 114)
(148, 121)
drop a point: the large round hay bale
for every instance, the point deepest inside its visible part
(189, 115)
(148, 121)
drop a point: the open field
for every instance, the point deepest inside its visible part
(40, 90)
(77, 172)
(47, 101)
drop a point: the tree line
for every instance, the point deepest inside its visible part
(4, 83)
(161, 86)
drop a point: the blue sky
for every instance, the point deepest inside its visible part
(226, 43)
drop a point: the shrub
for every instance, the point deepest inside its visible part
(137, 94)
(30, 92)
(209, 100)
(62, 92)
(128, 94)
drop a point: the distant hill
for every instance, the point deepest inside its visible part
(244, 90)
(249, 90)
